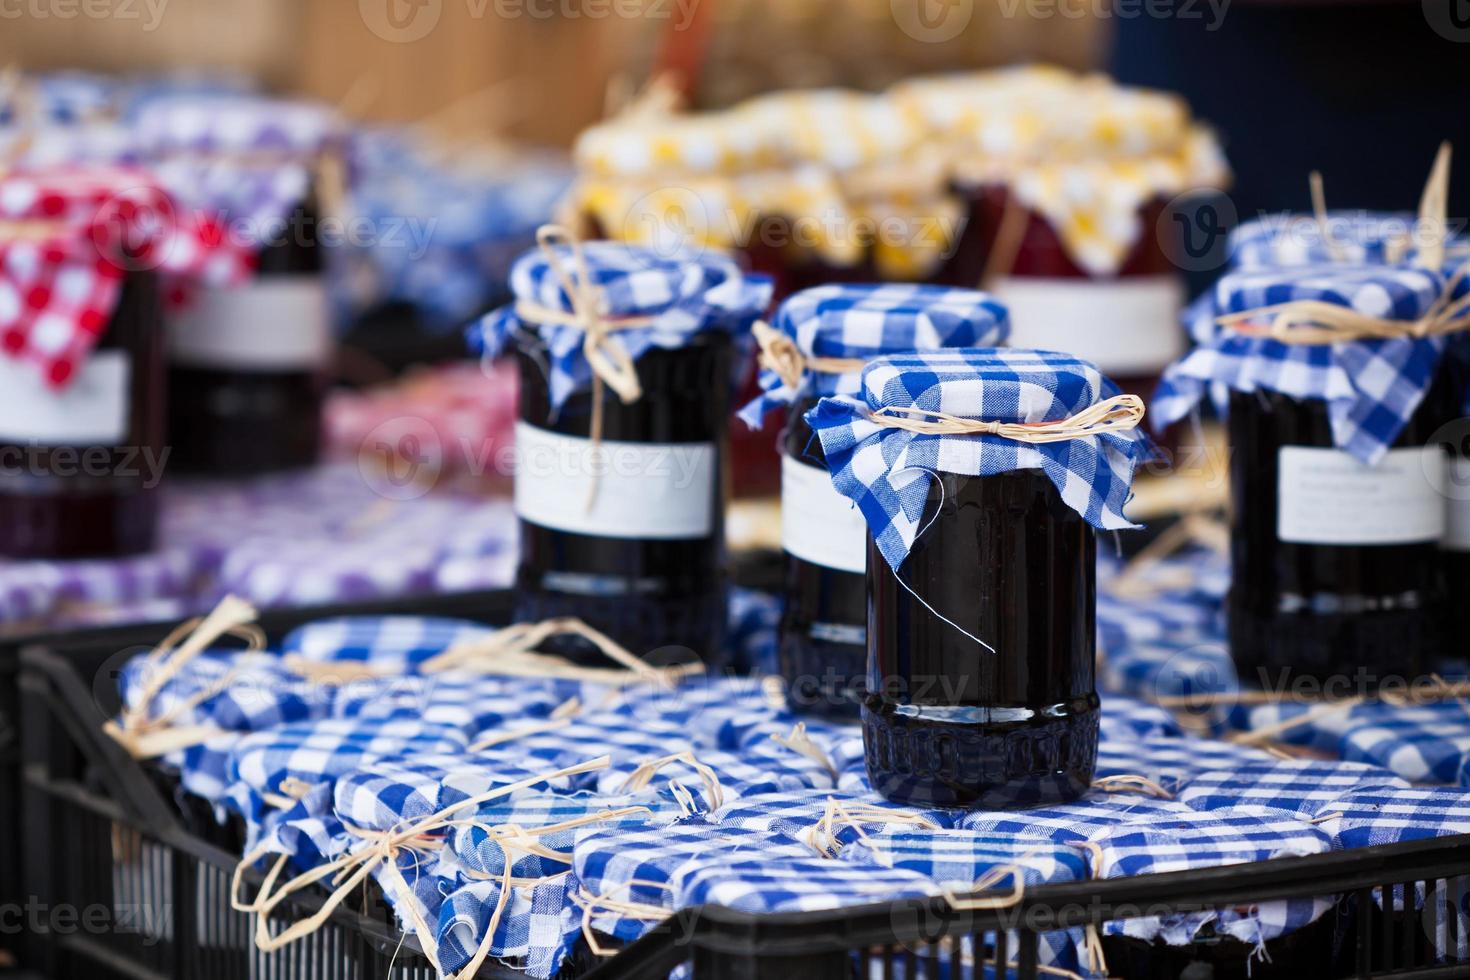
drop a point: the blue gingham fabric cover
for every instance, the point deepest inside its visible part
(205, 148)
(1190, 841)
(1371, 387)
(1297, 787)
(1351, 237)
(684, 294)
(863, 321)
(765, 849)
(445, 230)
(887, 471)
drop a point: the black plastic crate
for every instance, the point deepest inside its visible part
(89, 808)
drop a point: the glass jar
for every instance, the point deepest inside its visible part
(1336, 567)
(823, 645)
(80, 466)
(1126, 323)
(949, 723)
(644, 562)
(249, 364)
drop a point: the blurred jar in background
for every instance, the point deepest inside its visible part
(249, 363)
(81, 362)
(1066, 179)
(808, 187)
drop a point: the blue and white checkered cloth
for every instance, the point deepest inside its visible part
(683, 294)
(863, 321)
(1369, 817)
(1174, 762)
(772, 884)
(404, 789)
(1189, 841)
(536, 933)
(254, 692)
(477, 849)
(956, 859)
(1073, 821)
(740, 775)
(390, 643)
(887, 471)
(1293, 239)
(1371, 387)
(1294, 787)
(799, 814)
(473, 704)
(1125, 719)
(637, 864)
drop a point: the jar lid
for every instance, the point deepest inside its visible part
(666, 144)
(1372, 385)
(978, 413)
(224, 124)
(68, 238)
(837, 128)
(858, 322)
(1350, 237)
(644, 299)
(1387, 292)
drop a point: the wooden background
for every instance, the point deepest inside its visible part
(540, 78)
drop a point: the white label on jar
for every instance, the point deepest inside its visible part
(818, 524)
(1326, 496)
(642, 490)
(272, 323)
(1457, 505)
(1127, 326)
(92, 410)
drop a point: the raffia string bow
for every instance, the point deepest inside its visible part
(1316, 322)
(147, 735)
(512, 652)
(378, 849)
(610, 362)
(780, 354)
(1117, 414)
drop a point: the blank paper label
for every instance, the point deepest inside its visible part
(643, 490)
(1457, 504)
(1328, 497)
(818, 524)
(273, 323)
(1126, 326)
(92, 410)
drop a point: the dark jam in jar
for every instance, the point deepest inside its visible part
(824, 647)
(248, 364)
(1336, 570)
(646, 563)
(90, 455)
(949, 723)
(1132, 316)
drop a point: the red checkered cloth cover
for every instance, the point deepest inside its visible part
(69, 236)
